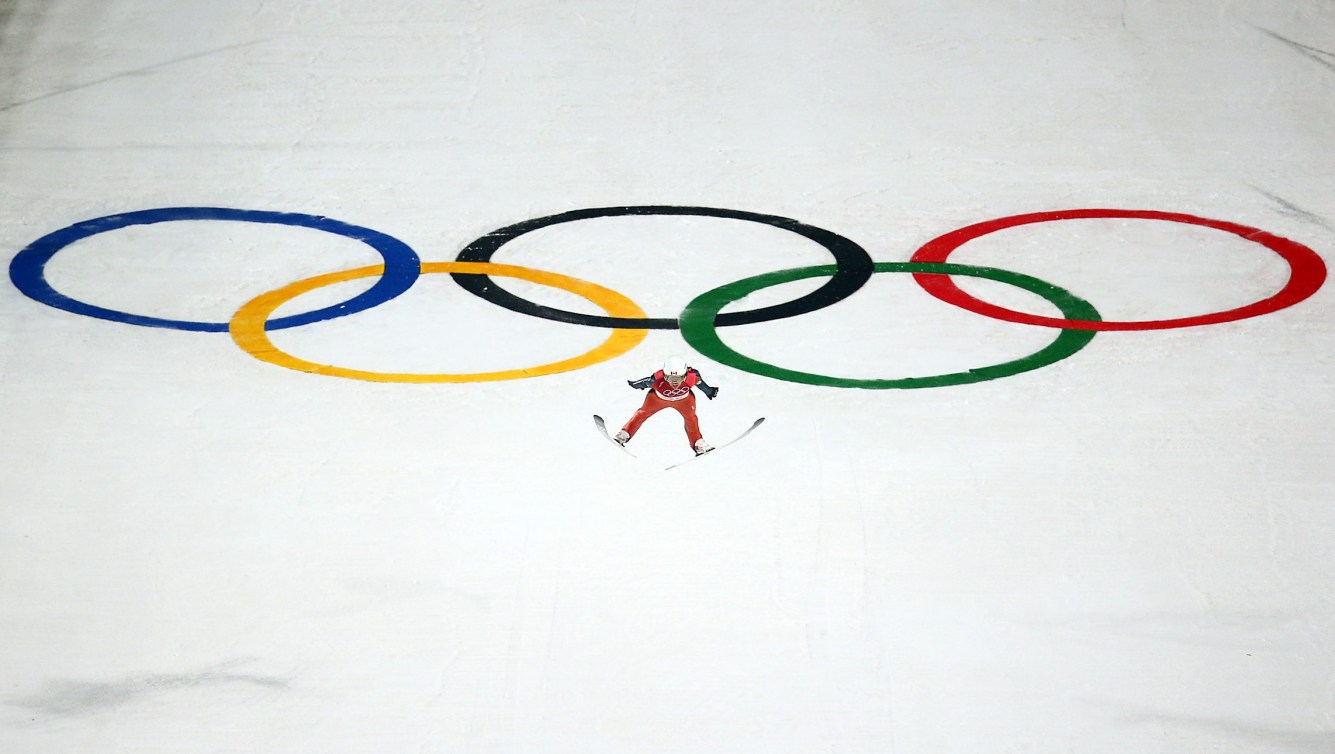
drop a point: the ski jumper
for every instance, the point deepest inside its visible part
(663, 394)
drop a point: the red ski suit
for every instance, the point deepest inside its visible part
(664, 395)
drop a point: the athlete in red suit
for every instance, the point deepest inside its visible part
(671, 387)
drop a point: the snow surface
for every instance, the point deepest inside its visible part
(1131, 550)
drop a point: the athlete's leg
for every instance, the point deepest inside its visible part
(652, 405)
(686, 407)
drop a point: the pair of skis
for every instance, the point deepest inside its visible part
(602, 428)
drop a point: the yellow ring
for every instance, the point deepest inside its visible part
(247, 325)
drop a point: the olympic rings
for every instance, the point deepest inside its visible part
(852, 262)
(698, 330)
(702, 316)
(1307, 271)
(248, 325)
(28, 269)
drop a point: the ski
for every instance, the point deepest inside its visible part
(748, 431)
(602, 428)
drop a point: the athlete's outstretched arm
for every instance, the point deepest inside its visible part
(642, 384)
(709, 390)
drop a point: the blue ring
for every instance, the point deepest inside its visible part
(28, 268)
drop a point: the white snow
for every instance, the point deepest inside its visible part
(1130, 550)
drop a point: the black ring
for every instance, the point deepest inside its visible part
(853, 264)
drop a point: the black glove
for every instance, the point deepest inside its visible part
(709, 392)
(637, 387)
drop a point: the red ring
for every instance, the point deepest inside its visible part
(1307, 271)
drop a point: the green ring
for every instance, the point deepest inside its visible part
(697, 326)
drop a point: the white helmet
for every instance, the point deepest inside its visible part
(674, 367)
